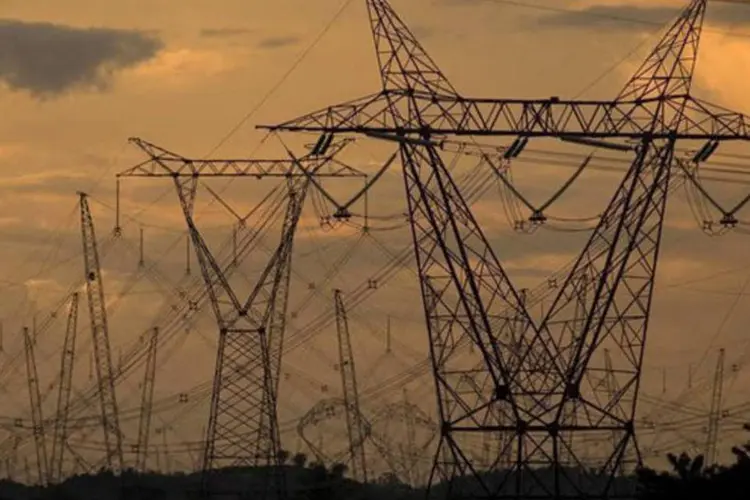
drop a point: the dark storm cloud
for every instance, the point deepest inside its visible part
(277, 42)
(224, 32)
(48, 59)
(624, 17)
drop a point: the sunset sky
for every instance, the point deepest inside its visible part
(79, 77)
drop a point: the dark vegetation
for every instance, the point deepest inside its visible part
(688, 479)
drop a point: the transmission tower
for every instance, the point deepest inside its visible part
(714, 417)
(402, 433)
(100, 331)
(465, 290)
(37, 419)
(318, 428)
(612, 390)
(243, 428)
(355, 426)
(147, 402)
(60, 436)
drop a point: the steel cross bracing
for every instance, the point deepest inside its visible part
(247, 371)
(105, 372)
(246, 404)
(537, 376)
(414, 86)
(164, 163)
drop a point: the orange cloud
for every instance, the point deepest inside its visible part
(724, 69)
(183, 66)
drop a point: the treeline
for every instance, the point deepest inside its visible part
(689, 478)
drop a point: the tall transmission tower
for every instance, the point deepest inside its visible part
(243, 428)
(37, 418)
(714, 417)
(355, 425)
(612, 389)
(60, 436)
(147, 402)
(100, 332)
(466, 292)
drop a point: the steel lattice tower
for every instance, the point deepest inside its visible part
(105, 372)
(35, 400)
(67, 363)
(355, 424)
(541, 389)
(243, 427)
(147, 402)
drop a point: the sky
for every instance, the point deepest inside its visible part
(76, 80)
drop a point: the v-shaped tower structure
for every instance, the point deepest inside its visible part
(535, 380)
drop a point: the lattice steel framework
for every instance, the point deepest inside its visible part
(243, 428)
(105, 373)
(67, 363)
(35, 400)
(355, 425)
(147, 401)
(537, 379)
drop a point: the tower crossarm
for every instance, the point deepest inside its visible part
(550, 117)
(164, 163)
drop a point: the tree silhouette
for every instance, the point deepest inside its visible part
(690, 479)
(299, 459)
(337, 471)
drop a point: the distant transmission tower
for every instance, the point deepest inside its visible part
(67, 363)
(147, 402)
(100, 332)
(37, 418)
(714, 418)
(355, 425)
(243, 428)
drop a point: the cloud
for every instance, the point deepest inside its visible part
(183, 66)
(277, 42)
(55, 184)
(224, 32)
(638, 16)
(48, 59)
(609, 17)
(724, 69)
(422, 31)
